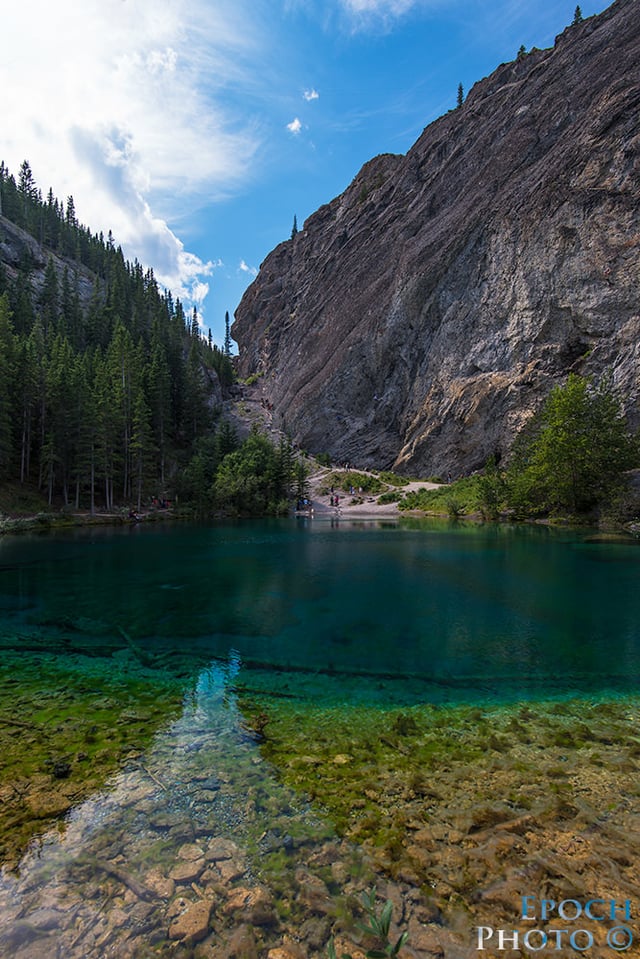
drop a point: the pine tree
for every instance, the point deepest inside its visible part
(142, 446)
(577, 17)
(294, 228)
(7, 374)
(460, 100)
(27, 384)
(227, 336)
(86, 429)
(49, 299)
(28, 192)
(159, 390)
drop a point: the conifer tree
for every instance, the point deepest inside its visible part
(29, 373)
(142, 446)
(577, 17)
(27, 190)
(460, 99)
(7, 373)
(227, 336)
(49, 299)
(159, 389)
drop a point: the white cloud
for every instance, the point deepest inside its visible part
(394, 8)
(295, 126)
(311, 95)
(245, 268)
(365, 14)
(128, 119)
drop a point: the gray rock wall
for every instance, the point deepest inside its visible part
(421, 317)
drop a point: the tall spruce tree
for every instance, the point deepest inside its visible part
(7, 376)
(227, 335)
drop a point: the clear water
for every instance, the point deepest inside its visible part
(443, 612)
(348, 617)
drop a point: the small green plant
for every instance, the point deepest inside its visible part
(377, 926)
(455, 508)
(393, 496)
(393, 479)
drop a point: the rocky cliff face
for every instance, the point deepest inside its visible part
(420, 318)
(18, 248)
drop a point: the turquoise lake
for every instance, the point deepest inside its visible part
(399, 664)
(442, 612)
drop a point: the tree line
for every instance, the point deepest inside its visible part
(103, 399)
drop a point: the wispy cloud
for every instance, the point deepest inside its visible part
(311, 95)
(295, 126)
(245, 268)
(132, 125)
(380, 13)
(393, 7)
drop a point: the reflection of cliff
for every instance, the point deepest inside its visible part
(419, 318)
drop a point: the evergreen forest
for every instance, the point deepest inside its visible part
(107, 386)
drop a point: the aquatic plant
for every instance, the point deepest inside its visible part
(378, 926)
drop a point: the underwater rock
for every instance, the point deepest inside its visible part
(192, 925)
(230, 870)
(288, 950)
(48, 805)
(254, 906)
(190, 852)
(220, 848)
(313, 894)
(188, 871)
(163, 886)
(427, 940)
(242, 944)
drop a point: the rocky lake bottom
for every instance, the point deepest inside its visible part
(245, 816)
(214, 740)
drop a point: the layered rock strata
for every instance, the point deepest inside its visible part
(420, 318)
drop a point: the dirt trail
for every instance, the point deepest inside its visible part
(250, 408)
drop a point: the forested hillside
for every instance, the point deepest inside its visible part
(106, 385)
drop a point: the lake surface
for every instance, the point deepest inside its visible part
(144, 667)
(446, 612)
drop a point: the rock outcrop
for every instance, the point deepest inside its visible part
(420, 318)
(18, 248)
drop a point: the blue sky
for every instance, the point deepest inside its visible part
(196, 129)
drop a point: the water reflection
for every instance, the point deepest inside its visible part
(156, 636)
(431, 604)
(182, 823)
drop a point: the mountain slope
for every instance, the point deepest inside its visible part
(422, 316)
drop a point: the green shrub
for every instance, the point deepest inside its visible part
(392, 496)
(393, 479)
(574, 454)
(463, 495)
(345, 480)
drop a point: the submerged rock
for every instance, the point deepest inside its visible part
(192, 925)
